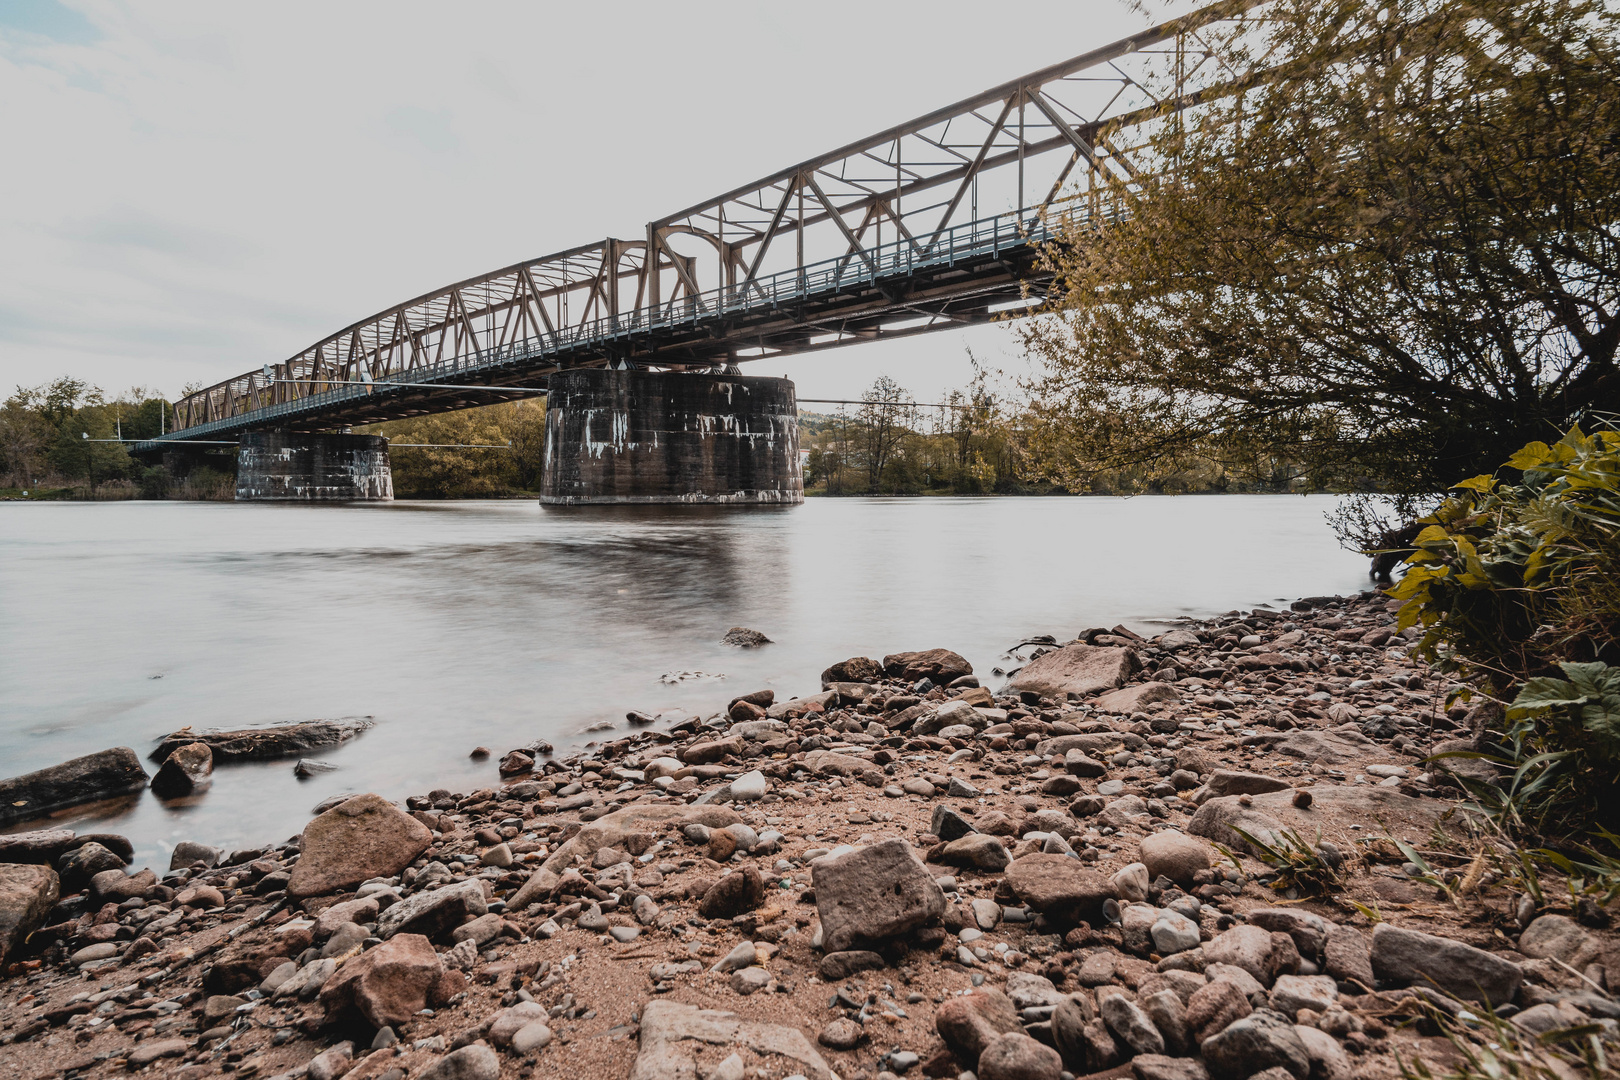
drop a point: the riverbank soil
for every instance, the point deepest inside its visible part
(901, 874)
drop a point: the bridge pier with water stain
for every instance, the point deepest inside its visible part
(279, 466)
(620, 436)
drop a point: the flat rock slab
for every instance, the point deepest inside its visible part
(1332, 746)
(1333, 810)
(85, 779)
(1130, 699)
(672, 1034)
(40, 846)
(827, 763)
(258, 744)
(1078, 669)
(618, 830)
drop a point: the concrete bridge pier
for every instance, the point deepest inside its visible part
(280, 466)
(631, 436)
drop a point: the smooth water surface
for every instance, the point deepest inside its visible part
(498, 623)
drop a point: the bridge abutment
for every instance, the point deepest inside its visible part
(278, 466)
(616, 437)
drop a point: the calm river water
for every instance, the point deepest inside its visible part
(497, 623)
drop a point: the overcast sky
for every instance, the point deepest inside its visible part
(190, 190)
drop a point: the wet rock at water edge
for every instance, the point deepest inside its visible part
(744, 638)
(308, 767)
(1077, 669)
(187, 771)
(939, 666)
(103, 775)
(257, 744)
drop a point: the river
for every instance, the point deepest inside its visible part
(460, 624)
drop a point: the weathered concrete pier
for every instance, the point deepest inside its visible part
(279, 466)
(618, 436)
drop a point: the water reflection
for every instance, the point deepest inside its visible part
(459, 624)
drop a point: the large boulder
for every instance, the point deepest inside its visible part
(85, 779)
(187, 771)
(939, 666)
(387, 985)
(1059, 887)
(873, 893)
(358, 839)
(673, 1035)
(1077, 669)
(28, 891)
(1462, 971)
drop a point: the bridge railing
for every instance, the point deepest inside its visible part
(254, 395)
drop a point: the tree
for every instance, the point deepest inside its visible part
(1387, 261)
(885, 418)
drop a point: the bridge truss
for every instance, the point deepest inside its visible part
(930, 224)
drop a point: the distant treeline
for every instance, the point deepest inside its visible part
(971, 443)
(60, 440)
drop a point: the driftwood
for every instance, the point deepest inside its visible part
(259, 744)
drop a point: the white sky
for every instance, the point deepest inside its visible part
(190, 190)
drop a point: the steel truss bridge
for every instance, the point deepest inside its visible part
(931, 224)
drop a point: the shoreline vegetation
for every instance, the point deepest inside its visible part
(1226, 849)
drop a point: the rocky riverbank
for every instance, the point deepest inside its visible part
(903, 873)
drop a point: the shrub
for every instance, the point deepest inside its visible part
(1518, 588)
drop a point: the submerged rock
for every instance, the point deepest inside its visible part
(744, 638)
(258, 744)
